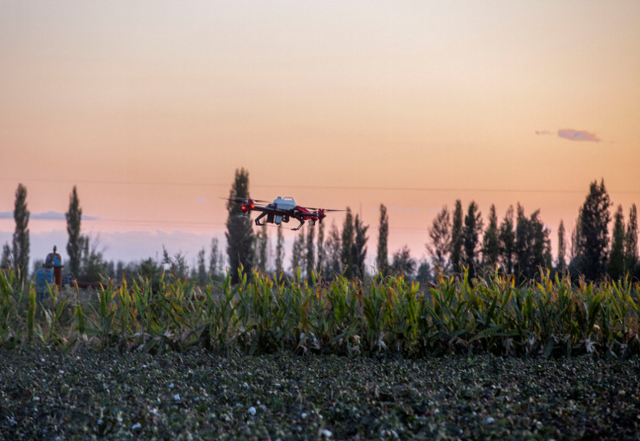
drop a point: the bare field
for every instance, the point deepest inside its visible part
(197, 395)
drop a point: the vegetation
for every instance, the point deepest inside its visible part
(440, 246)
(240, 237)
(520, 245)
(388, 316)
(593, 233)
(382, 259)
(457, 239)
(20, 252)
(74, 244)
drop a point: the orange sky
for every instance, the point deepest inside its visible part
(130, 100)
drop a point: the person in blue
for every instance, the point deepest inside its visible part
(45, 276)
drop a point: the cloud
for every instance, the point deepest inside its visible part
(544, 132)
(126, 246)
(202, 200)
(46, 215)
(404, 209)
(577, 135)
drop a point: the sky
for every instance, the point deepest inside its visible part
(149, 107)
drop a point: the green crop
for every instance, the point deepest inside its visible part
(265, 314)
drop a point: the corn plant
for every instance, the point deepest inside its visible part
(547, 317)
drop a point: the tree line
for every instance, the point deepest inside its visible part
(518, 244)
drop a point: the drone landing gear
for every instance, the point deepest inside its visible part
(299, 226)
(258, 220)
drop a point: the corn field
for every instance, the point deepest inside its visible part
(550, 317)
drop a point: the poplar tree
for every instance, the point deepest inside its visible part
(439, 248)
(456, 239)
(616, 258)
(507, 241)
(561, 264)
(360, 247)
(346, 256)
(523, 251)
(383, 238)
(471, 238)
(280, 251)
(214, 258)
(74, 243)
(239, 233)
(533, 246)
(5, 260)
(310, 258)
(333, 262)
(631, 242)
(594, 232)
(202, 268)
(491, 242)
(20, 252)
(575, 241)
(321, 251)
(262, 245)
(297, 252)
(541, 244)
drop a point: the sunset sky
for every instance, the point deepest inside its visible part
(149, 108)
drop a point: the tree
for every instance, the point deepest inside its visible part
(280, 251)
(262, 246)
(333, 263)
(507, 241)
(616, 258)
(561, 264)
(594, 232)
(471, 238)
(215, 259)
(203, 276)
(5, 260)
(403, 264)
(575, 241)
(310, 258)
(360, 247)
(523, 249)
(491, 241)
(20, 252)
(382, 259)
(93, 266)
(533, 246)
(440, 246)
(347, 246)
(541, 244)
(631, 242)
(239, 231)
(456, 239)
(297, 252)
(74, 243)
(424, 272)
(321, 250)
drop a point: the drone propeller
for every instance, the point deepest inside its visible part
(242, 200)
(323, 209)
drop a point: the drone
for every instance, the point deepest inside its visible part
(282, 209)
